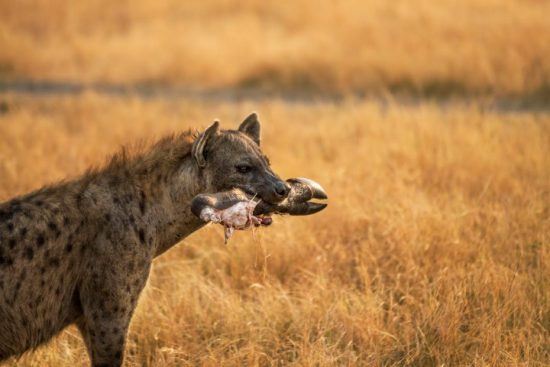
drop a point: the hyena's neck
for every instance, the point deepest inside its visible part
(152, 194)
(165, 203)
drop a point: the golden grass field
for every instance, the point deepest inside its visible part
(429, 47)
(435, 247)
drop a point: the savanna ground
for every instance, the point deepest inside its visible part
(435, 247)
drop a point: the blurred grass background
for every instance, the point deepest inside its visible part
(434, 249)
(480, 47)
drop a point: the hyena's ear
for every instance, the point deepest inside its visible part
(251, 127)
(201, 141)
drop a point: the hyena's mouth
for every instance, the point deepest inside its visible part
(253, 195)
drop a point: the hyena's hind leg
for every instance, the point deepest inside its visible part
(108, 302)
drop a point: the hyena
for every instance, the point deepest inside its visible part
(80, 251)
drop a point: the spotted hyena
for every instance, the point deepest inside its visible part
(80, 251)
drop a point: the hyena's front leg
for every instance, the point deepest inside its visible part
(109, 295)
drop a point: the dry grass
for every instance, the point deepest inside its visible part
(434, 249)
(439, 47)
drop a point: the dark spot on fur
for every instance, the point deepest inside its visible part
(12, 243)
(40, 240)
(79, 197)
(38, 203)
(107, 217)
(66, 221)
(29, 253)
(143, 197)
(141, 236)
(10, 227)
(3, 260)
(69, 247)
(54, 262)
(23, 232)
(52, 226)
(4, 215)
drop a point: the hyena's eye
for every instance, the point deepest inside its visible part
(243, 168)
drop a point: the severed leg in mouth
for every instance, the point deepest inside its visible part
(235, 209)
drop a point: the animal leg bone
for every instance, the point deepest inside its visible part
(298, 202)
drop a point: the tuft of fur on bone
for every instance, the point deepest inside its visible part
(238, 216)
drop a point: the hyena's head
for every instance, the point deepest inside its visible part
(233, 159)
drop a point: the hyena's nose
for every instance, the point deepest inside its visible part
(282, 189)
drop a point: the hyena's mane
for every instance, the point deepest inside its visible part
(129, 162)
(143, 157)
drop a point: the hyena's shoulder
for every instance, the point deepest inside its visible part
(29, 223)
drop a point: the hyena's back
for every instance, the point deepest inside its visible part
(41, 250)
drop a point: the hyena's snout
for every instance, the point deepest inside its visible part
(275, 190)
(281, 189)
